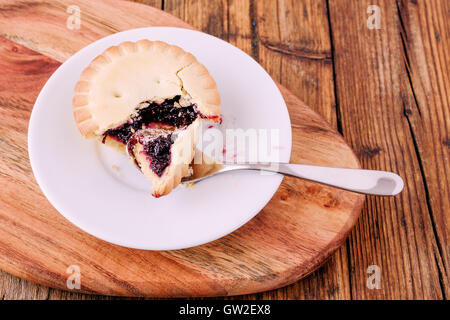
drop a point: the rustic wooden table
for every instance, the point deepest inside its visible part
(378, 72)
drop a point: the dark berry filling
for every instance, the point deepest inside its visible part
(158, 153)
(156, 144)
(165, 113)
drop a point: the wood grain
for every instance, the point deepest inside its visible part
(290, 39)
(376, 104)
(307, 221)
(19, 18)
(426, 39)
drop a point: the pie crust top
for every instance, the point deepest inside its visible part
(116, 82)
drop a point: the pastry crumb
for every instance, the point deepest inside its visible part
(116, 168)
(190, 185)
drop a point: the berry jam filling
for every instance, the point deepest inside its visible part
(156, 144)
(166, 113)
(158, 153)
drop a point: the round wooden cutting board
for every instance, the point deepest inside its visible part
(293, 235)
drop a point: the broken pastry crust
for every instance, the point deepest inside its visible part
(182, 153)
(115, 83)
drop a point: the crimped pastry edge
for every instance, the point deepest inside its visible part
(194, 76)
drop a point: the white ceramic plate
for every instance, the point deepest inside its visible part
(78, 178)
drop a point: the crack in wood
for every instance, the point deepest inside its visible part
(300, 53)
(332, 56)
(441, 279)
(369, 152)
(339, 128)
(404, 38)
(446, 142)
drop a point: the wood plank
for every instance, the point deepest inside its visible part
(14, 288)
(229, 20)
(426, 35)
(374, 94)
(203, 270)
(293, 45)
(202, 15)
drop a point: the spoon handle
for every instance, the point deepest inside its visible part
(374, 182)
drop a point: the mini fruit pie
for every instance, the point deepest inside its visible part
(147, 98)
